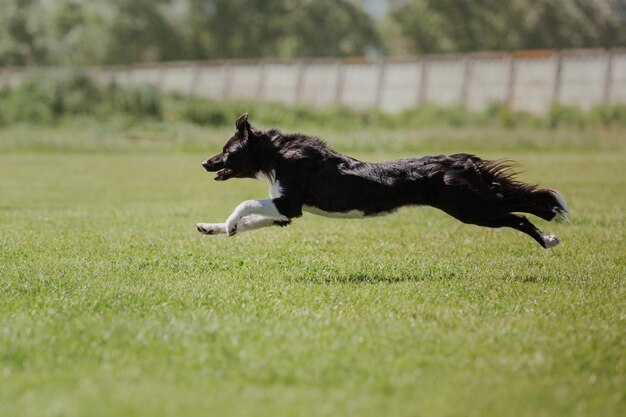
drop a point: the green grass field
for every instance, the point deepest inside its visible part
(111, 304)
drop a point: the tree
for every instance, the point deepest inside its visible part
(140, 32)
(469, 25)
(330, 28)
(235, 28)
(287, 28)
(23, 37)
(80, 32)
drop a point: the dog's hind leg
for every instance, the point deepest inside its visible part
(522, 224)
(251, 222)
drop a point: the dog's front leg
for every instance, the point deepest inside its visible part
(251, 222)
(211, 228)
(265, 208)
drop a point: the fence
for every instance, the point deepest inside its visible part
(525, 80)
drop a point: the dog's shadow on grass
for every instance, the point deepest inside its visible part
(364, 277)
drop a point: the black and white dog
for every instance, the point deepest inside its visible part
(305, 174)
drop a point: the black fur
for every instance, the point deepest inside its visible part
(311, 173)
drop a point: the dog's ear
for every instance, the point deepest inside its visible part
(242, 124)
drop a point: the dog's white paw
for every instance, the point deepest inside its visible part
(231, 226)
(211, 228)
(551, 241)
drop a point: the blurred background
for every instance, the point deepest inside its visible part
(529, 62)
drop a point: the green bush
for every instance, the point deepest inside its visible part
(35, 100)
(206, 113)
(500, 114)
(560, 115)
(614, 115)
(138, 102)
(77, 94)
(46, 99)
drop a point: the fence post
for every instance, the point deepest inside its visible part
(510, 89)
(300, 82)
(228, 78)
(608, 78)
(161, 79)
(422, 96)
(195, 78)
(467, 73)
(380, 83)
(556, 93)
(340, 82)
(261, 90)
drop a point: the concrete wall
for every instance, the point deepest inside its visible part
(320, 83)
(401, 84)
(489, 81)
(534, 83)
(525, 80)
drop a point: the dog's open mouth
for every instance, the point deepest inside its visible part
(224, 174)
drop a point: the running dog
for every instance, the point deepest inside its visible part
(305, 174)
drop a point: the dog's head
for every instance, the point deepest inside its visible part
(240, 156)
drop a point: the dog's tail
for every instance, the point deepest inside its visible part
(502, 179)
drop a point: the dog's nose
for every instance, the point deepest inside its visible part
(206, 164)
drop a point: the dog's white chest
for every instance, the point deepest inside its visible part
(276, 190)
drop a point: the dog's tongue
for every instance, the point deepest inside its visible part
(223, 174)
